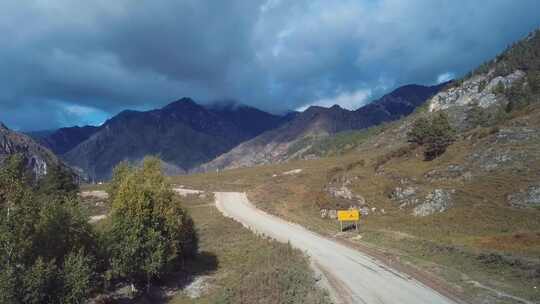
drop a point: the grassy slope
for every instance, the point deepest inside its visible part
(481, 238)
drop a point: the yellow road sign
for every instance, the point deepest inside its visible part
(348, 215)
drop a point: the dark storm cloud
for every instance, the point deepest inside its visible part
(67, 62)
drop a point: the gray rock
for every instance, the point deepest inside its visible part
(437, 201)
(344, 192)
(405, 196)
(469, 92)
(495, 158)
(526, 198)
(516, 135)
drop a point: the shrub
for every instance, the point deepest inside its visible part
(435, 135)
(419, 131)
(150, 232)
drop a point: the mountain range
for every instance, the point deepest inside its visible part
(191, 137)
(274, 145)
(183, 134)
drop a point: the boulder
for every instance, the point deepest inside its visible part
(437, 201)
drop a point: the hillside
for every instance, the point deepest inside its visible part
(37, 158)
(64, 139)
(470, 216)
(295, 137)
(183, 134)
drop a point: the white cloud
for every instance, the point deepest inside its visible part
(444, 77)
(348, 100)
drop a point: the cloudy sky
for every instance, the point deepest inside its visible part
(67, 62)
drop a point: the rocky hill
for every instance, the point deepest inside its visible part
(38, 158)
(183, 134)
(296, 136)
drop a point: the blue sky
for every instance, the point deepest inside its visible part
(68, 62)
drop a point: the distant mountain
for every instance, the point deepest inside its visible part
(37, 158)
(183, 134)
(64, 139)
(273, 145)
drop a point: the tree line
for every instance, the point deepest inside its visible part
(49, 253)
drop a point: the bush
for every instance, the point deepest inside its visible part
(150, 232)
(434, 134)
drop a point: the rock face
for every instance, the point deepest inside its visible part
(526, 198)
(405, 196)
(37, 158)
(183, 134)
(478, 90)
(437, 201)
(274, 146)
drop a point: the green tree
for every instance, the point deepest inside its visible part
(419, 131)
(77, 277)
(37, 232)
(41, 283)
(150, 232)
(58, 182)
(119, 173)
(434, 134)
(441, 136)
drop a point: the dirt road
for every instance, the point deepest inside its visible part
(356, 277)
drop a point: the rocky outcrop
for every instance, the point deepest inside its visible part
(529, 197)
(437, 201)
(405, 196)
(36, 157)
(495, 158)
(478, 90)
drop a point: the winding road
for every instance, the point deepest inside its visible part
(355, 277)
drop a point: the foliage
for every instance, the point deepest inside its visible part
(77, 277)
(419, 131)
(435, 135)
(150, 232)
(37, 233)
(58, 182)
(119, 173)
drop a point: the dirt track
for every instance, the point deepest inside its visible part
(356, 277)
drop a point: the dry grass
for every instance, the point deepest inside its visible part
(249, 268)
(480, 238)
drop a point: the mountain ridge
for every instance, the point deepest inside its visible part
(317, 121)
(183, 134)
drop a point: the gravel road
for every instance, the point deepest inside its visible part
(355, 277)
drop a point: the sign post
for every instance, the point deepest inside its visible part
(348, 216)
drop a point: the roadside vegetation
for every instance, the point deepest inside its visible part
(49, 253)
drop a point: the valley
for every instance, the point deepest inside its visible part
(121, 198)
